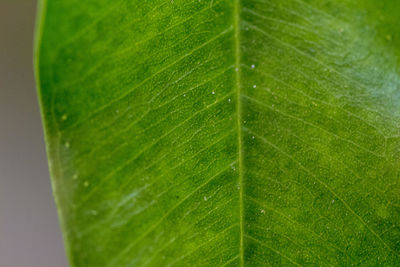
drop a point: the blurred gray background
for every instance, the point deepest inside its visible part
(29, 231)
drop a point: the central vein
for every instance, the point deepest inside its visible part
(239, 119)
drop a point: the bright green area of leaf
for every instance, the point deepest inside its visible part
(223, 132)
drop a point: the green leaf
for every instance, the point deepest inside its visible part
(223, 132)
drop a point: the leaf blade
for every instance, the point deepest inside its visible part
(223, 132)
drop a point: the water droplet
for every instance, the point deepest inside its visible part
(184, 94)
(229, 100)
(254, 86)
(253, 137)
(64, 117)
(262, 211)
(253, 66)
(333, 201)
(236, 69)
(86, 184)
(213, 92)
(205, 198)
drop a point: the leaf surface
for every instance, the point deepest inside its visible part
(223, 132)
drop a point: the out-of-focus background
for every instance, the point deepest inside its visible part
(30, 235)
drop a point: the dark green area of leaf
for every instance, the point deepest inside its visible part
(223, 132)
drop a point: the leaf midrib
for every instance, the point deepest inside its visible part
(236, 14)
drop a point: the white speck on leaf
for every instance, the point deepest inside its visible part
(205, 198)
(253, 66)
(233, 167)
(254, 86)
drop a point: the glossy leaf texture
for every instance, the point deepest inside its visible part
(223, 132)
